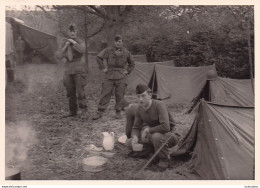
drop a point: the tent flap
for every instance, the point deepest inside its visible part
(236, 92)
(44, 43)
(9, 46)
(224, 142)
(183, 83)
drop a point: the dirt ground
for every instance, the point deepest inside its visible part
(47, 147)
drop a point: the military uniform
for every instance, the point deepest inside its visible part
(130, 118)
(19, 48)
(119, 64)
(74, 78)
(158, 119)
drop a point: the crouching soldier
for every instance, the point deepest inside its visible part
(152, 125)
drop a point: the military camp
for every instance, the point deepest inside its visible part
(72, 72)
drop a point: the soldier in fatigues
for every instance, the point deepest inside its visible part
(116, 62)
(19, 49)
(152, 125)
(75, 73)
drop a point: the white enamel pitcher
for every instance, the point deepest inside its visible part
(108, 140)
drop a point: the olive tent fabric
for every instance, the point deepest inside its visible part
(165, 63)
(139, 58)
(235, 92)
(143, 73)
(44, 43)
(180, 85)
(221, 140)
(9, 45)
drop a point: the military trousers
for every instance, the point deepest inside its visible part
(74, 84)
(108, 86)
(157, 139)
(19, 57)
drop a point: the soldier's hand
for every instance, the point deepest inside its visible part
(105, 70)
(134, 140)
(72, 41)
(144, 135)
(125, 72)
(67, 43)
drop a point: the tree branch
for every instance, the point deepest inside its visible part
(99, 30)
(98, 12)
(47, 13)
(127, 10)
(94, 11)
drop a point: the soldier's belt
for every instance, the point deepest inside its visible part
(116, 69)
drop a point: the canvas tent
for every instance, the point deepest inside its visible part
(236, 92)
(226, 91)
(221, 141)
(9, 54)
(44, 43)
(174, 85)
(143, 73)
(180, 85)
(9, 44)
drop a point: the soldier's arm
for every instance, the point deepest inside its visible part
(102, 60)
(164, 124)
(131, 63)
(130, 118)
(60, 53)
(80, 47)
(137, 127)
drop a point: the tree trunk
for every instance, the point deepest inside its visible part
(86, 42)
(113, 23)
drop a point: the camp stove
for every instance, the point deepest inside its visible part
(12, 173)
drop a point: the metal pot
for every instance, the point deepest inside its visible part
(12, 174)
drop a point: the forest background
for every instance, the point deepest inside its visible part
(188, 35)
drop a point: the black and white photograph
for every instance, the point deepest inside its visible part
(130, 92)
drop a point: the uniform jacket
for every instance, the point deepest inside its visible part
(75, 56)
(156, 117)
(118, 61)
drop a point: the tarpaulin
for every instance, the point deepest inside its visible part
(44, 43)
(9, 44)
(143, 73)
(180, 85)
(222, 142)
(237, 92)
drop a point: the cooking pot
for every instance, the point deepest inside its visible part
(12, 173)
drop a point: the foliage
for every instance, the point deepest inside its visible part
(196, 36)
(190, 35)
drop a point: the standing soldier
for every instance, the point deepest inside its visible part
(116, 62)
(75, 73)
(19, 48)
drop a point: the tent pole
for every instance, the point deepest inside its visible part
(155, 154)
(153, 80)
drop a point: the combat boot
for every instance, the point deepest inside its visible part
(118, 115)
(98, 115)
(70, 114)
(164, 164)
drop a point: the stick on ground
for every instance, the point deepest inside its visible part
(155, 154)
